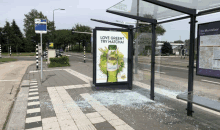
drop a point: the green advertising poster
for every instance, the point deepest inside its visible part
(112, 56)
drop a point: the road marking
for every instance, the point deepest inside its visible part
(32, 98)
(8, 80)
(155, 71)
(33, 119)
(33, 110)
(33, 93)
(210, 81)
(44, 70)
(35, 89)
(33, 103)
(169, 66)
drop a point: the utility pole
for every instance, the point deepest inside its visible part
(136, 43)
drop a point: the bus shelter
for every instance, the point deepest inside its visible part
(163, 11)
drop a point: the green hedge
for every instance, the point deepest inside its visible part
(59, 62)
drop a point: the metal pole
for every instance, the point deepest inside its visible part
(10, 50)
(8, 45)
(191, 63)
(91, 43)
(153, 61)
(53, 27)
(37, 56)
(84, 54)
(41, 56)
(136, 44)
(0, 50)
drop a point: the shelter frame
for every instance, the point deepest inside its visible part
(192, 15)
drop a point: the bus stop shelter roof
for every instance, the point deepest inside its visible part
(160, 10)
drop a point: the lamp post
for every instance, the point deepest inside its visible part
(53, 22)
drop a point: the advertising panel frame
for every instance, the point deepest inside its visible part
(198, 46)
(128, 83)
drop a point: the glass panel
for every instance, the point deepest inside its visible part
(157, 12)
(145, 9)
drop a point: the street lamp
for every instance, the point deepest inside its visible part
(53, 21)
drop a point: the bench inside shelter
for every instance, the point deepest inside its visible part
(201, 101)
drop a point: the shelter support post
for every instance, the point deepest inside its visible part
(153, 61)
(130, 60)
(191, 62)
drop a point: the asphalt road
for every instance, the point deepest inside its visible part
(175, 71)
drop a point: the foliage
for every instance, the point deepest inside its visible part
(29, 29)
(166, 48)
(59, 62)
(78, 37)
(178, 41)
(148, 29)
(103, 60)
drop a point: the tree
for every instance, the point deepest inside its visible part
(7, 36)
(167, 48)
(178, 41)
(17, 38)
(159, 28)
(29, 28)
(63, 38)
(145, 33)
(78, 37)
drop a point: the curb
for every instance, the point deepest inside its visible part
(11, 111)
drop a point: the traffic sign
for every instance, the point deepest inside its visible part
(40, 26)
(51, 45)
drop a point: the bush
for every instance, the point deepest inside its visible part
(59, 62)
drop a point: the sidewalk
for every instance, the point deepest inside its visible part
(66, 100)
(11, 75)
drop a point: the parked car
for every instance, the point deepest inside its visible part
(58, 54)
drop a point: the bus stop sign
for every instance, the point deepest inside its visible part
(40, 26)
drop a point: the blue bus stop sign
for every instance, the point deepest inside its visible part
(40, 26)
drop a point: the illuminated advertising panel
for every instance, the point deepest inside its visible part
(111, 56)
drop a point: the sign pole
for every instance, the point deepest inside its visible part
(41, 57)
(84, 55)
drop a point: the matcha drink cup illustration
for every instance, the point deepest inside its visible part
(112, 63)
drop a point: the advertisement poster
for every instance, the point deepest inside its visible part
(209, 50)
(111, 56)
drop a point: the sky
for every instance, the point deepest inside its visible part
(81, 11)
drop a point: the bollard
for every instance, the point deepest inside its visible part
(37, 56)
(84, 55)
(10, 50)
(0, 51)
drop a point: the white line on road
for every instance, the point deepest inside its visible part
(8, 80)
(210, 81)
(170, 67)
(155, 71)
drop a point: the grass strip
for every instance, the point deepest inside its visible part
(7, 59)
